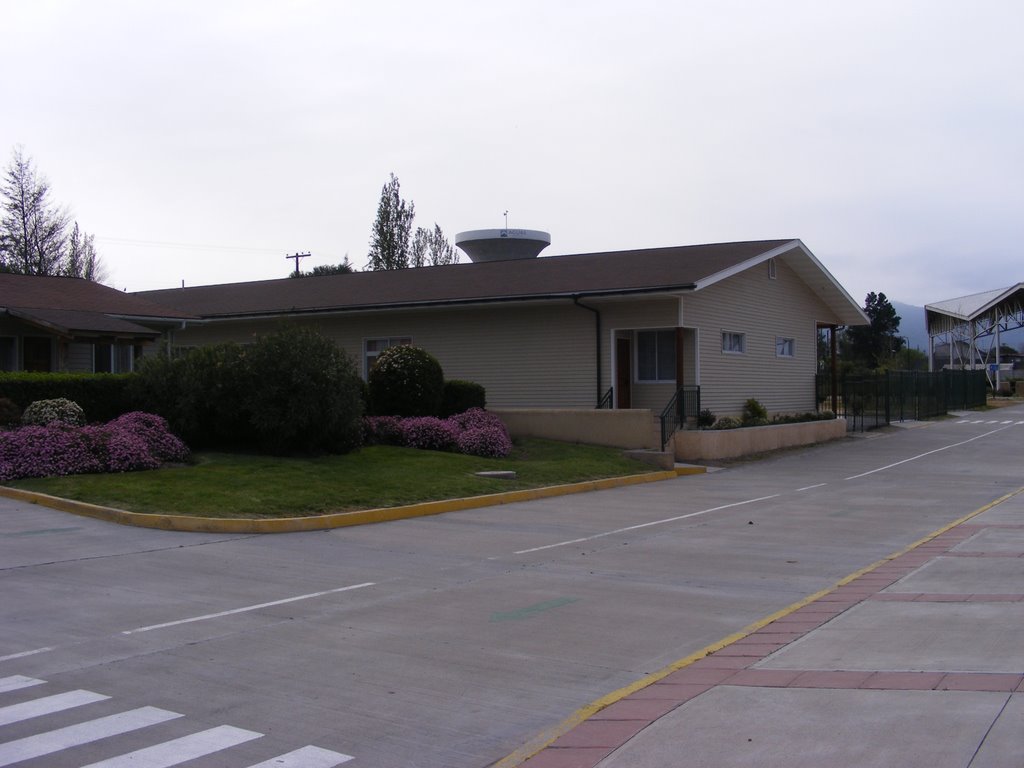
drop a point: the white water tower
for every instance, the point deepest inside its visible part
(502, 244)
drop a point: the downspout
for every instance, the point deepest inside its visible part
(597, 336)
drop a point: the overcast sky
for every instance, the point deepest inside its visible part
(202, 141)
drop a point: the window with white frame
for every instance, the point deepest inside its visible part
(734, 343)
(656, 356)
(785, 347)
(373, 347)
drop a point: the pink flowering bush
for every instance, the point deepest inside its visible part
(383, 430)
(156, 434)
(475, 432)
(492, 442)
(429, 433)
(131, 442)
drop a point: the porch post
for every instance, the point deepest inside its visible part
(680, 368)
(834, 368)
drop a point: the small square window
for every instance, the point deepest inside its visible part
(734, 343)
(785, 347)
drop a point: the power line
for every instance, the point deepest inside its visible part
(160, 244)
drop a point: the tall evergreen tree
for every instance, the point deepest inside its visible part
(390, 239)
(869, 345)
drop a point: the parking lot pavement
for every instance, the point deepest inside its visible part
(914, 662)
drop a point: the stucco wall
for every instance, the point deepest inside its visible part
(633, 428)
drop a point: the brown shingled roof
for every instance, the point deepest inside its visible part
(72, 293)
(610, 273)
(75, 307)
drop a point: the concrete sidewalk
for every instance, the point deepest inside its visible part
(916, 661)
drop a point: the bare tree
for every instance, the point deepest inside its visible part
(390, 239)
(33, 231)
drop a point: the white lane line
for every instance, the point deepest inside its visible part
(928, 453)
(17, 682)
(23, 654)
(178, 751)
(1006, 422)
(645, 525)
(811, 487)
(307, 757)
(15, 713)
(82, 733)
(246, 609)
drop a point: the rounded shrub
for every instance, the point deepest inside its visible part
(406, 381)
(754, 413)
(706, 418)
(303, 394)
(383, 430)
(727, 422)
(60, 410)
(459, 396)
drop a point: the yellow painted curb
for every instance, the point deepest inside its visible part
(550, 735)
(186, 523)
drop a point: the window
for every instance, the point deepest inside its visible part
(8, 353)
(656, 356)
(784, 347)
(373, 347)
(113, 358)
(734, 343)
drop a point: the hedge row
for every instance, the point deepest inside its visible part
(103, 396)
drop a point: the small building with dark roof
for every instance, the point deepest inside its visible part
(75, 325)
(624, 329)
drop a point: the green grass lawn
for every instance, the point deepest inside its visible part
(241, 485)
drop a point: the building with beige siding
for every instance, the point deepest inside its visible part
(624, 329)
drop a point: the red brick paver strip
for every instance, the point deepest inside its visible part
(601, 733)
(903, 681)
(632, 708)
(817, 679)
(671, 692)
(981, 681)
(763, 678)
(567, 758)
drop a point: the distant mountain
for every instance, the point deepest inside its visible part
(912, 324)
(912, 327)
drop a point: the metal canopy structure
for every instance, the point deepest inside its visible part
(970, 327)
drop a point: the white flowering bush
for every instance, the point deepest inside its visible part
(57, 411)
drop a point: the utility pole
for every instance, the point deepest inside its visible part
(298, 256)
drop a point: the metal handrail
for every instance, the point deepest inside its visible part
(606, 399)
(685, 404)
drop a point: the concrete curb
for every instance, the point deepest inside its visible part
(189, 524)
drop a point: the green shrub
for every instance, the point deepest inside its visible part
(103, 396)
(304, 394)
(727, 422)
(459, 396)
(406, 381)
(57, 411)
(705, 419)
(10, 413)
(292, 391)
(754, 414)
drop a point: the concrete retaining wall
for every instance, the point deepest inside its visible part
(712, 444)
(627, 428)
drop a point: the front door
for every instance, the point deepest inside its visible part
(623, 373)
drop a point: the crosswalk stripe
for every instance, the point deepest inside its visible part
(181, 750)
(307, 757)
(17, 682)
(82, 733)
(15, 713)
